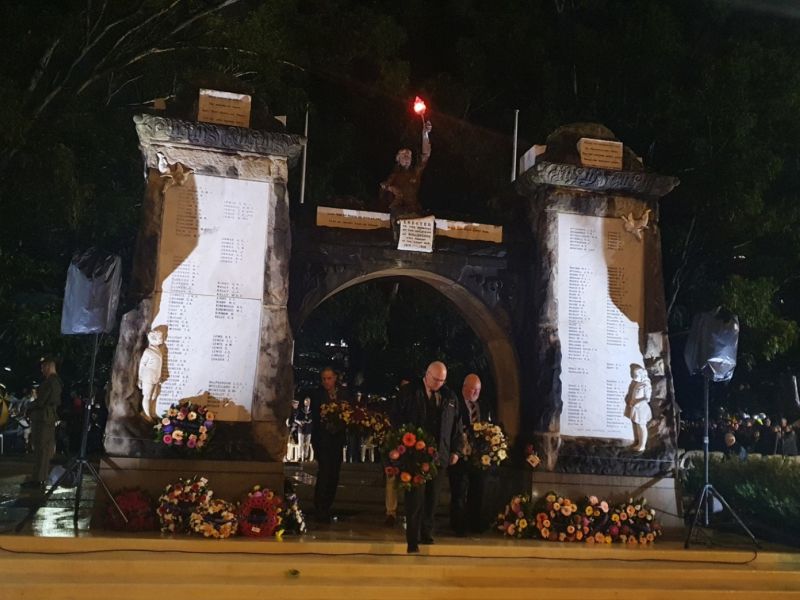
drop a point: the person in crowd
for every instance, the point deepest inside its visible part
(733, 449)
(430, 405)
(785, 439)
(305, 424)
(328, 445)
(467, 482)
(42, 413)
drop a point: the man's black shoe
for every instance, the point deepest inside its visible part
(412, 549)
(427, 541)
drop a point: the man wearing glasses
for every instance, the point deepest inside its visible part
(429, 404)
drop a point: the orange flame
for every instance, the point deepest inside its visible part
(419, 105)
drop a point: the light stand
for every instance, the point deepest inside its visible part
(704, 498)
(78, 464)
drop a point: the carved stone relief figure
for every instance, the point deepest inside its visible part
(150, 373)
(637, 405)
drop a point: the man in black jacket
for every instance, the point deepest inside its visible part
(467, 482)
(328, 445)
(430, 405)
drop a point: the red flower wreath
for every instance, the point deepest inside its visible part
(260, 514)
(137, 506)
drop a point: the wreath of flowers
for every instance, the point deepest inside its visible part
(214, 519)
(411, 456)
(336, 416)
(179, 501)
(137, 506)
(558, 519)
(368, 423)
(185, 424)
(486, 445)
(261, 513)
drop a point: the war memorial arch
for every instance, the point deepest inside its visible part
(565, 299)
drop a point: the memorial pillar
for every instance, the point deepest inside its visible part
(211, 272)
(598, 305)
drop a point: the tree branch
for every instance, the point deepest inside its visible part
(677, 277)
(202, 14)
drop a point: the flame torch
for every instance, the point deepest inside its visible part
(419, 107)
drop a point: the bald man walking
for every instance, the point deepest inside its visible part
(429, 404)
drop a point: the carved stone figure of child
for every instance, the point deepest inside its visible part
(150, 373)
(637, 405)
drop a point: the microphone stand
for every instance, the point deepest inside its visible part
(704, 498)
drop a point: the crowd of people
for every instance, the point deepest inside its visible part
(741, 435)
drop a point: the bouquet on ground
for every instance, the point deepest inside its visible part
(261, 513)
(336, 416)
(179, 501)
(215, 518)
(185, 424)
(369, 424)
(137, 506)
(410, 456)
(633, 522)
(294, 521)
(486, 445)
(517, 518)
(558, 519)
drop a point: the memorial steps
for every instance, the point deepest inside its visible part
(372, 564)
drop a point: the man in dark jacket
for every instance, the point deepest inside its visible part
(328, 445)
(467, 482)
(42, 412)
(430, 405)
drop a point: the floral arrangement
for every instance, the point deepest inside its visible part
(486, 445)
(369, 423)
(260, 514)
(179, 501)
(214, 519)
(185, 425)
(557, 518)
(336, 416)
(137, 506)
(293, 519)
(411, 456)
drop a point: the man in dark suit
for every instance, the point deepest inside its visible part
(430, 405)
(467, 482)
(327, 445)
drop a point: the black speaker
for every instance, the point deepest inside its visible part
(91, 295)
(712, 345)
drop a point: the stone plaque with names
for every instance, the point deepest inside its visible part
(209, 296)
(602, 154)
(600, 293)
(224, 108)
(416, 235)
(346, 218)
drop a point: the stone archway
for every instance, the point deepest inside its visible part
(497, 342)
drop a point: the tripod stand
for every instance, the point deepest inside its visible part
(704, 498)
(77, 464)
